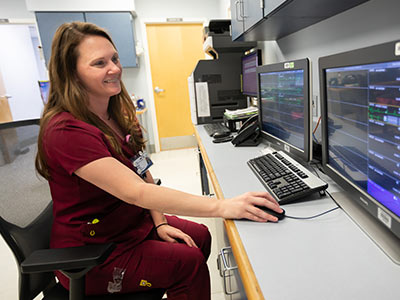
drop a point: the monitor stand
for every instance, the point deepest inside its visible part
(385, 239)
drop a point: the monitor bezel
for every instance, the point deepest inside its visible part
(300, 64)
(256, 52)
(374, 54)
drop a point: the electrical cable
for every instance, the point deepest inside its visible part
(316, 126)
(313, 217)
(321, 214)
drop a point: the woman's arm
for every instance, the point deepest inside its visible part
(164, 230)
(115, 178)
(158, 217)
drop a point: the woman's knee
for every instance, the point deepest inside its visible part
(205, 241)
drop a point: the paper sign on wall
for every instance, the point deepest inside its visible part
(202, 97)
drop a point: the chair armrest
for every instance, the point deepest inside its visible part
(48, 260)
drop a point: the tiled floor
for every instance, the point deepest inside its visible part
(178, 169)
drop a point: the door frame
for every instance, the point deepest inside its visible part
(149, 79)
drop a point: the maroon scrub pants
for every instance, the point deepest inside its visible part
(180, 269)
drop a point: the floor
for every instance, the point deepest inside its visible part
(178, 169)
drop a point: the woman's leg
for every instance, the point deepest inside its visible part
(198, 232)
(180, 269)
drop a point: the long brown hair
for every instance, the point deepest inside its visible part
(66, 93)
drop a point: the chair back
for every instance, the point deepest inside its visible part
(25, 211)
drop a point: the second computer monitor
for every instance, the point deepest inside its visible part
(250, 62)
(285, 107)
(360, 100)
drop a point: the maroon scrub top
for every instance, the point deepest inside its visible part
(83, 213)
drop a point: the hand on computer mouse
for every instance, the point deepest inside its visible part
(245, 207)
(280, 216)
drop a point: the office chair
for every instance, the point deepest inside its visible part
(36, 262)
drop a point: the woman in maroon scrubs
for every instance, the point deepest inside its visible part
(90, 150)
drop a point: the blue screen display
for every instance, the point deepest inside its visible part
(282, 105)
(363, 105)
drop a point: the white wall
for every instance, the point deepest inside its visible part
(14, 9)
(19, 69)
(374, 22)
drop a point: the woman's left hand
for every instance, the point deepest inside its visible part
(170, 234)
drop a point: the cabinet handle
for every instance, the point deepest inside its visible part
(240, 11)
(226, 270)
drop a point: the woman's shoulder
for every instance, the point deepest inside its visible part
(65, 120)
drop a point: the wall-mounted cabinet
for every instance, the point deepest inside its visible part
(263, 20)
(245, 14)
(118, 24)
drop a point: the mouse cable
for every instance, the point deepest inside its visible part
(312, 217)
(323, 213)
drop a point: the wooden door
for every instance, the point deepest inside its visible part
(5, 112)
(174, 51)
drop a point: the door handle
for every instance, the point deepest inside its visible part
(6, 96)
(158, 90)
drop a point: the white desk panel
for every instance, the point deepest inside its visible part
(329, 257)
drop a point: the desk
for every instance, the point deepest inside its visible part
(324, 258)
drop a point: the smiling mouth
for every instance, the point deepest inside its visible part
(111, 80)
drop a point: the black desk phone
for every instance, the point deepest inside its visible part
(248, 134)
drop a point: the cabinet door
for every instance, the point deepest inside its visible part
(252, 12)
(271, 5)
(48, 22)
(237, 22)
(120, 26)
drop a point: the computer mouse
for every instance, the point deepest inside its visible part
(280, 216)
(223, 140)
(221, 134)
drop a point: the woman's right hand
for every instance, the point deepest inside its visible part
(243, 207)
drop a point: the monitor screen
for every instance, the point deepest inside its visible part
(249, 73)
(285, 110)
(360, 93)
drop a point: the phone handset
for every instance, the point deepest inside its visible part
(248, 133)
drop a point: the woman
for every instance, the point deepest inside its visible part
(89, 147)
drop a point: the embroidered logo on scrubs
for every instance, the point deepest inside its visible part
(116, 285)
(144, 283)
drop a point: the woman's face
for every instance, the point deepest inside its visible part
(98, 68)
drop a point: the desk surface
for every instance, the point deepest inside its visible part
(329, 257)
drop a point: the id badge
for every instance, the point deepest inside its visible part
(141, 162)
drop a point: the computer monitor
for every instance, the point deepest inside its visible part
(285, 114)
(360, 101)
(250, 62)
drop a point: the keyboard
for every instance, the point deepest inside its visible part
(215, 127)
(284, 178)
